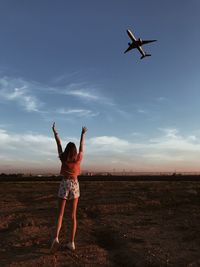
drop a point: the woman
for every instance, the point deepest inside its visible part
(69, 186)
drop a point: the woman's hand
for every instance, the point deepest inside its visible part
(84, 130)
(54, 129)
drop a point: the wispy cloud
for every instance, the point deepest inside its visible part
(109, 143)
(63, 78)
(23, 93)
(84, 92)
(77, 112)
(90, 96)
(137, 134)
(35, 97)
(142, 111)
(161, 99)
(17, 90)
(94, 99)
(170, 132)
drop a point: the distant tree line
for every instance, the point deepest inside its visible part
(19, 177)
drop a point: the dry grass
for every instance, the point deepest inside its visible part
(134, 223)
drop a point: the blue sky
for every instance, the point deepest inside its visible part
(63, 61)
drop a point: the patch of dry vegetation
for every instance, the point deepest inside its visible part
(133, 223)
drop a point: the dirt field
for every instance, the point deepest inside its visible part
(134, 223)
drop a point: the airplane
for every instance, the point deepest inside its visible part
(137, 43)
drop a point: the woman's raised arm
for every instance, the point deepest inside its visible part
(84, 130)
(58, 142)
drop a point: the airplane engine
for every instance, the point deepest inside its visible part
(140, 41)
(129, 44)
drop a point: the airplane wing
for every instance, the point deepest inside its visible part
(130, 34)
(128, 49)
(148, 41)
(141, 51)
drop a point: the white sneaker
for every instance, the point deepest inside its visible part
(71, 246)
(55, 245)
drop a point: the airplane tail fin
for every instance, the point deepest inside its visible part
(146, 55)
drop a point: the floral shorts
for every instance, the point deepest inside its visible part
(69, 189)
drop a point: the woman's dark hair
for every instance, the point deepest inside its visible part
(70, 153)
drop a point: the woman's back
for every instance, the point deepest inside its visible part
(71, 168)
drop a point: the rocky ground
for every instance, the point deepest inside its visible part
(152, 224)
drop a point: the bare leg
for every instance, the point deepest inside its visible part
(74, 207)
(61, 209)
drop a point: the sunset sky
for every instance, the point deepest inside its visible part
(63, 61)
